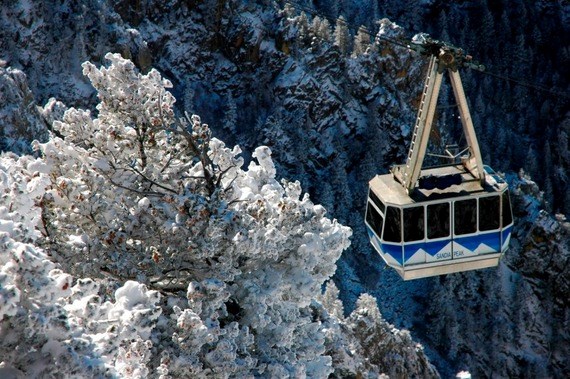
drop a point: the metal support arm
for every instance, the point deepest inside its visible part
(409, 173)
(474, 162)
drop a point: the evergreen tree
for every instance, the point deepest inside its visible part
(341, 36)
(315, 26)
(361, 41)
(303, 29)
(330, 300)
(487, 33)
(548, 185)
(289, 10)
(321, 29)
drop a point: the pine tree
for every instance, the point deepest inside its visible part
(487, 33)
(361, 41)
(289, 10)
(548, 185)
(320, 28)
(331, 302)
(379, 339)
(341, 36)
(325, 30)
(303, 33)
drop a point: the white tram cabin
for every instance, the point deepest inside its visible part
(433, 231)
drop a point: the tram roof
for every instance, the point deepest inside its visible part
(391, 191)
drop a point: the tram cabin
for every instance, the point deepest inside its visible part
(464, 226)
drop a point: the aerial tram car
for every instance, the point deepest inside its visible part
(444, 219)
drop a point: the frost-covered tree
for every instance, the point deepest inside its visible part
(122, 177)
(289, 10)
(361, 41)
(139, 194)
(392, 349)
(320, 28)
(342, 36)
(324, 30)
(302, 23)
(51, 324)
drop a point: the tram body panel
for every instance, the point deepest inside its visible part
(506, 237)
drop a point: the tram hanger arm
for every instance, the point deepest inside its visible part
(446, 59)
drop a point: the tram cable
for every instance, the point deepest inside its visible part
(406, 43)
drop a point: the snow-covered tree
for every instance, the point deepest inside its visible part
(50, 323)
(303, 28)
(143, 199)
(361, 41)
(342, 36)
(321, 29)
(392, 349)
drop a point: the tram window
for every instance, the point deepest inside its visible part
(374, 219)
(438, 220)
(465, 216)
(507, 215)
(377, 201)
(489, 216)
(393, 227)
(413, 224)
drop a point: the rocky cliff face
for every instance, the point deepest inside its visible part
(259, 75)
(49, 39)
(20, 118)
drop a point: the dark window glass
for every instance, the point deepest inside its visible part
(413, 224)
(489, 213)
(377, 201)
(392, 229)
(465, 216)
(507, 214)
(438, 220)
(374, 219)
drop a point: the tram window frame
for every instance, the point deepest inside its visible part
(372, 216)
(489, 213)
(507, 212)
(392, 225)
(462, 217)
(414, 224)
(376, 200)
(437, 225)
